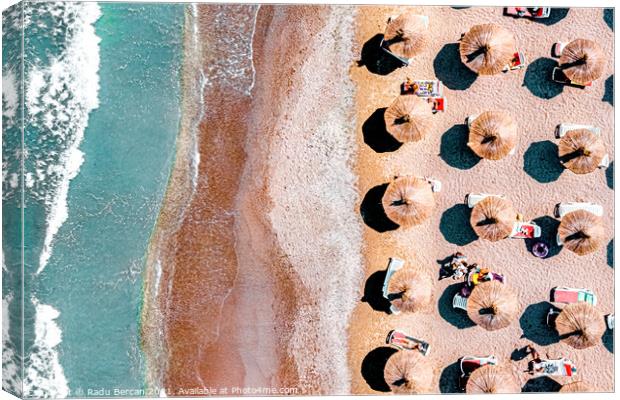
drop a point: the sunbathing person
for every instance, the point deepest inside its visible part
(534, 366)
(455, 268)
(406, 343)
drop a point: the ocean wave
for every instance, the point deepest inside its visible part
(44, 376)
(11, 365)
(11, 101)
(10, 97)
(62, 90)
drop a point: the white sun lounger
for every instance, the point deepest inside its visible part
(561, 209)
(559, 367)
(562, 129)
(435, 184)
(469, 120)
(474, 198)
(459, 302)
(604, 162)
(393, 265)
(469, 363)
(610, 319)
(556, 50)
(525, 230)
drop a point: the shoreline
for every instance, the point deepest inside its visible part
(288, 319)
(151, 319)
(273, 254)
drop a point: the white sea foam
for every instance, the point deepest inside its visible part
(231, 61)
(44, 376)
(202, 82)
(314, 192)
(251, 52)
(61, 93)
(11, 377)
(59, 98)
(10, 97)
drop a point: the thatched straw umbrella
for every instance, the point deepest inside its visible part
(413, 288)
(581, 151)
(576, 387)
(408, 201)
(486, 49)
(408, 372)
(582, 61)
(581, 232)
(492, 135)
(492, 379)
(493, 218)
(407, 35)
(408, 118)
(493, 305)
(580, 325)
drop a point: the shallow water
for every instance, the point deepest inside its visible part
(102, 104)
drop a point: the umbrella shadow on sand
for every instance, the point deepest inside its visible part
(549, 227)
(454, 150)
(373, 366)
(608, 17)
(375, 59)
(455, 227)
(449, 378)
(538, 78)
(608, 96)
(376, 135)
(373, 292)
(450, 70)
(541, 161)
(457, 318)
(608, 340)
(372, 210)
(542, 384)
(609, 175)
(533, 322)
(610, 253)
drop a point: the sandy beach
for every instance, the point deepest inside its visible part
(262, 274)
(531, 178)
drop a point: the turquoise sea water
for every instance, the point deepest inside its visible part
(84, 294)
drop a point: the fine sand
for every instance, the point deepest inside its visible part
(262, 275)
(530, 178)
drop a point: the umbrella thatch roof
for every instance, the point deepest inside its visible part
(492, 379)
(486, 49)
(408, 372)
(492, 135)
(493, 218)
(581, 151)
(582, 61)
(493, 305)
(581, 232)
(576, 387)
(408, 201)
(415, 287)
(407, 35)
(409, 118)
(580, 325)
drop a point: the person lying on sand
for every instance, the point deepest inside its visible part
(535, 364)
(456, 268)
(404, 342)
